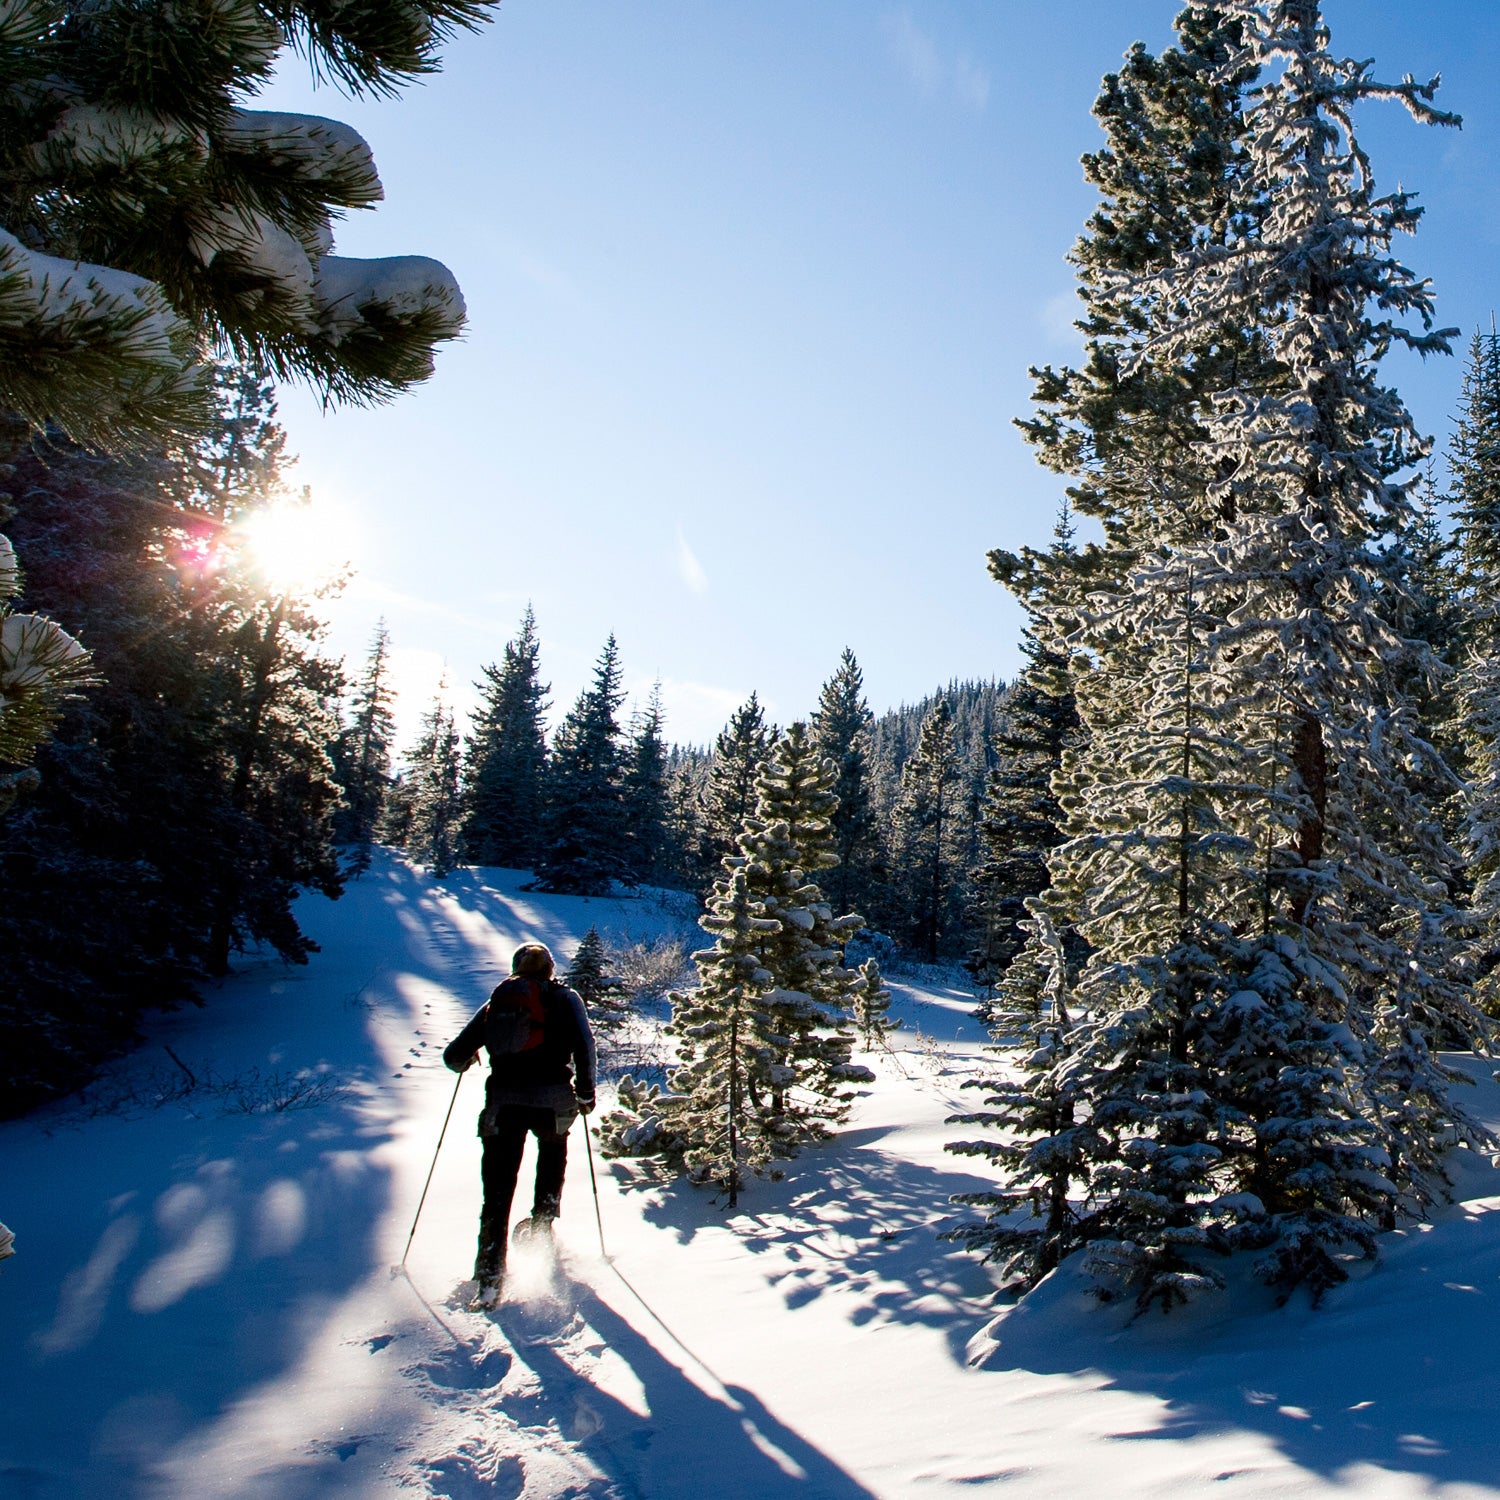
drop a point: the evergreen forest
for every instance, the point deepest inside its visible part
(1220, 867)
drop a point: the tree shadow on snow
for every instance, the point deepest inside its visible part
(863, 1226)
(497, 897)
(1396, 1369)
(698, 1437)
(174, 1259)
(195, 1280)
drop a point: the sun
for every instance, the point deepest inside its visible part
(296, 544)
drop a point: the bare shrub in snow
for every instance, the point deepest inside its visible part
(651, 967)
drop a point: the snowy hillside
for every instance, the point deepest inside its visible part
(203, 1304)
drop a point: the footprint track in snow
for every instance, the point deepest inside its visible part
(462, 1371)
(476, 1472)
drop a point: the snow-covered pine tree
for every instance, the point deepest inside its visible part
(1360, 876)
(41, 666)
(929, 837)
(147, 215)
(841, 731)
(1044, 1141)
(870, 1004)
(395, 816)
(729, 795)
(585, 837)
(807, 1081)
(1020, 815)
(1427, 562)
(710, 1124)
(603, 994)
(432, 774)
(362, 754)
(1145, 880)
(275, 700)
(643, 788)
(687, 780)
(1474, 461)
(505, 758)
(1258, 1064)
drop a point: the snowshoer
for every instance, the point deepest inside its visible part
(541, 1049)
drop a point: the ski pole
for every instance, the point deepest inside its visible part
(594, 1183)
(430, 1171)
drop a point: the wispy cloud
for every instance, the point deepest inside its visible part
(913, 49)
(689, 569)
(919, 56)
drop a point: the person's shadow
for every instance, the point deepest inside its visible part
(700, 1436)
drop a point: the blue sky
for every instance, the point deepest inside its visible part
(752, 291)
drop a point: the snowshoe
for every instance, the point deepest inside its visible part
(537, 1231)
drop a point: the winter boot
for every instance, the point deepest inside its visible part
(489, 1266)
(488, 1291)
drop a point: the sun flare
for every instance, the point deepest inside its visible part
(298, 544)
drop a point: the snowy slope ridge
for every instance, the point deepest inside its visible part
(203, 1304)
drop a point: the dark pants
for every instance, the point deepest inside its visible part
(500, 1166)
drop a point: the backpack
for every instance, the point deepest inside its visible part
(517, 1018)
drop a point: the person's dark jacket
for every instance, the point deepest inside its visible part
(564, 1060)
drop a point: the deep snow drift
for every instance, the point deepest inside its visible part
(202, 1304)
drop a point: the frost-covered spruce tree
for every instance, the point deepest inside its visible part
(505, 758)
(432, 781)
(603, 994)
(1474, 459)
(362, 754)
(870, 1005)
(841, 730)
(643, 790)
(585, 838)
(1356, 874)
(1261, 1068)
(710, 1124)
(729, 795)
(807, 1080)
(1020, 814)
(929, 836)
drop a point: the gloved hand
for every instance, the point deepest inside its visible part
(466, 1064)
(586, 1106)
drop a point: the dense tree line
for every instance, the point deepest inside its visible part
(601, 803)
(165, 716)
(186, 796)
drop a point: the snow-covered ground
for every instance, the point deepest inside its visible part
(203, 1303)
